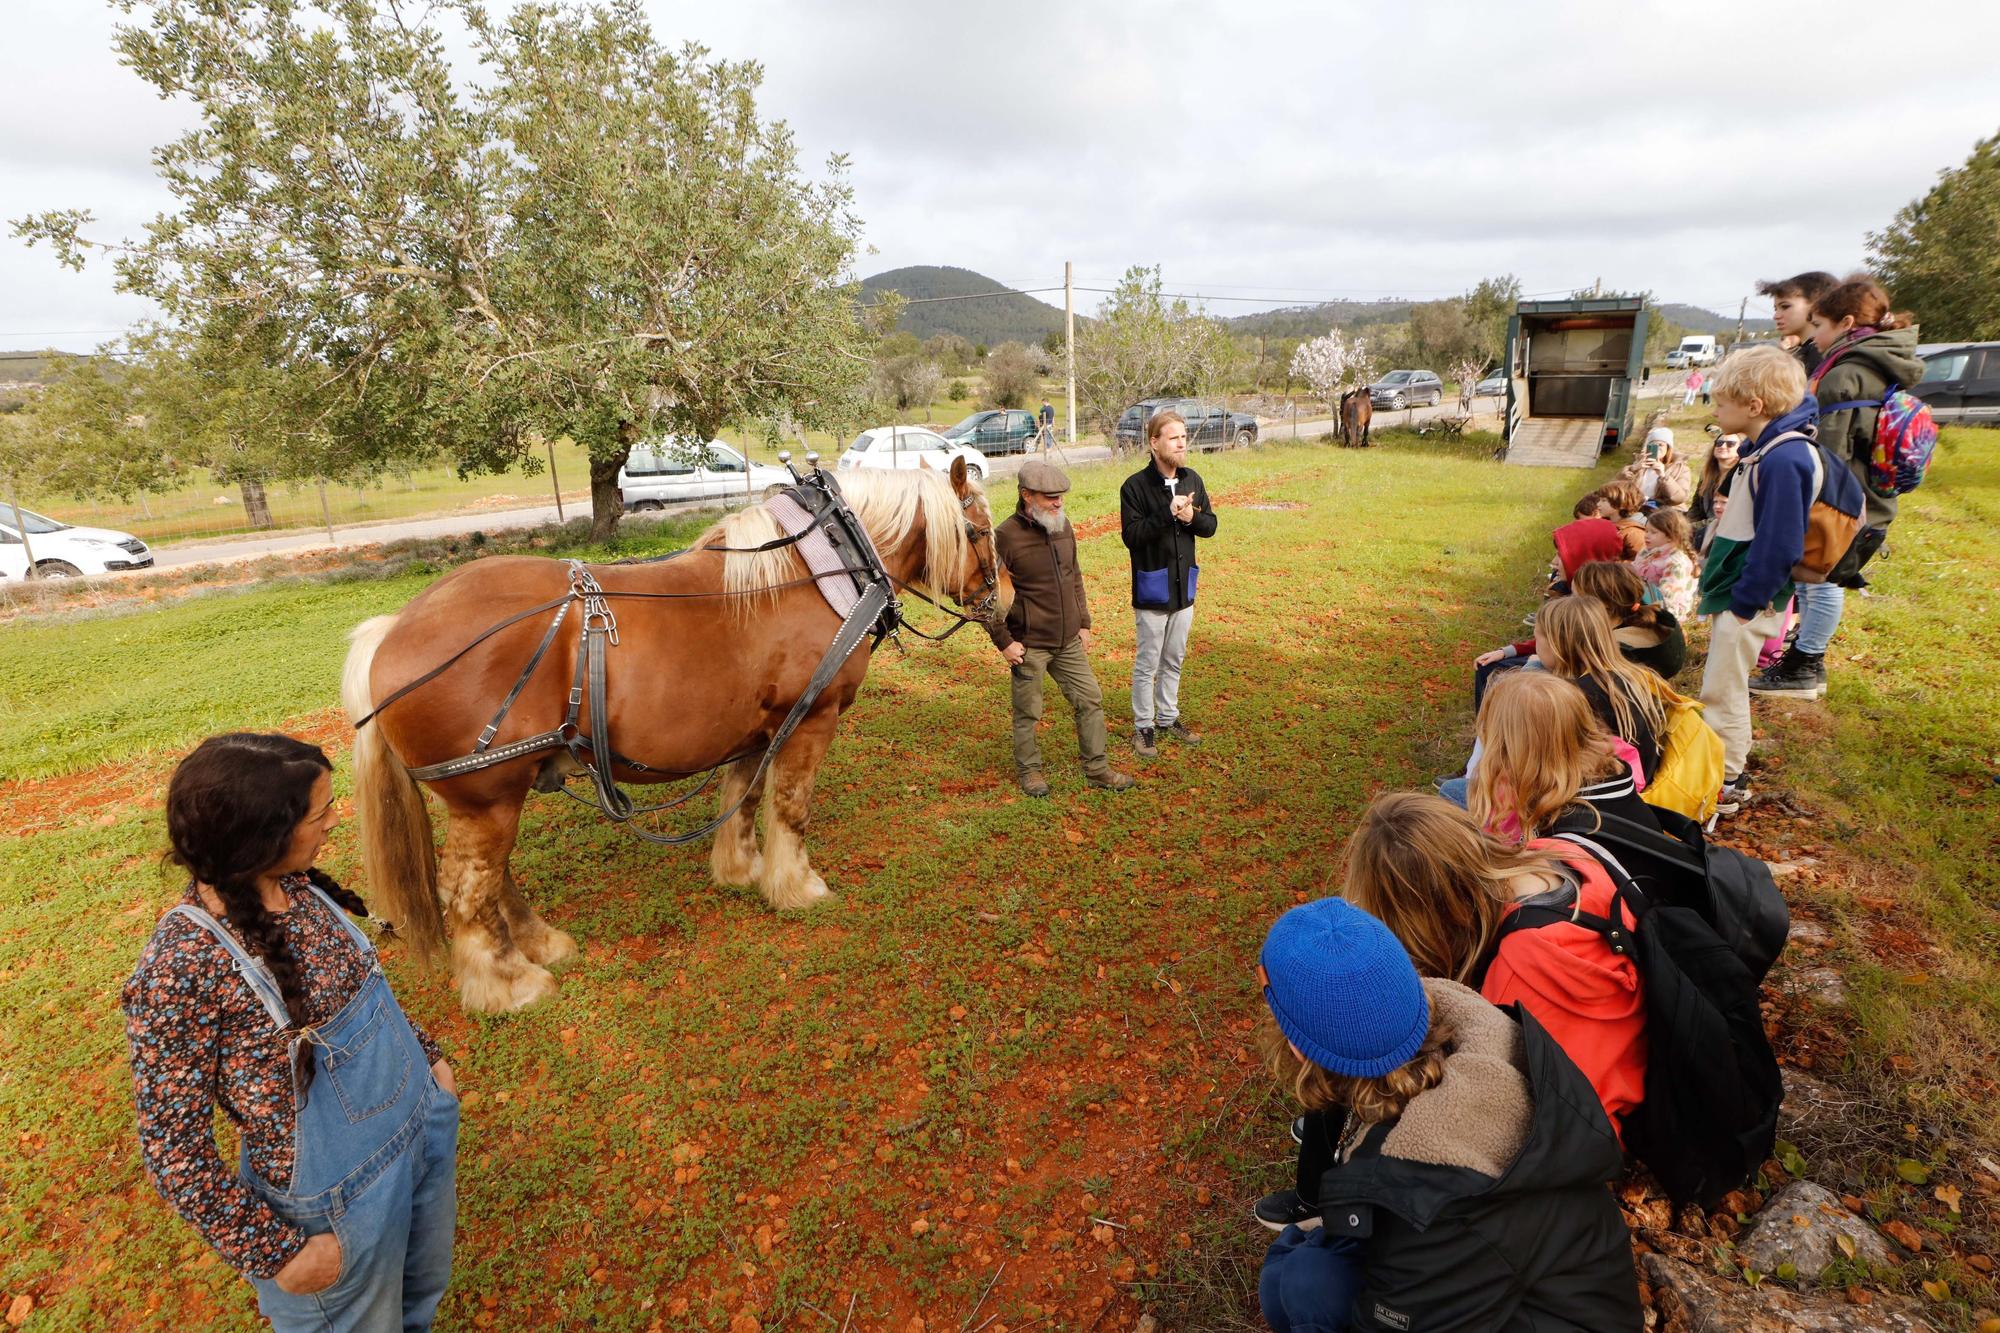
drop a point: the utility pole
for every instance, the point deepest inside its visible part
(1069, 340)
(1741, 310)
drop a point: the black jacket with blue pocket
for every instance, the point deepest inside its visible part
(1164, 567)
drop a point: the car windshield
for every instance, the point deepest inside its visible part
(967, 426)
(1396, 377)
(35, 522)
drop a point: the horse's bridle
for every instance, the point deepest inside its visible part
(982, 610)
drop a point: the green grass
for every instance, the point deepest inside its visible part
(1009, 1005)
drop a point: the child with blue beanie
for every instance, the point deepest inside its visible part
(1471, 1158)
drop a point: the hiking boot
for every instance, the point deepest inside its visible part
(1034, 784)
(1110, 780)
(1145, 743)
(1175, 731)
(1286, 1209)
(1797, 675)
(1734, 796)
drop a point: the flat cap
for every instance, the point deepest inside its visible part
(1046, 478)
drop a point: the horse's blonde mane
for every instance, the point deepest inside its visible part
(888, 505)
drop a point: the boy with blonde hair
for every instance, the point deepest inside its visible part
(1747, 576)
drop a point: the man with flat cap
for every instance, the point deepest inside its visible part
(1047, 629)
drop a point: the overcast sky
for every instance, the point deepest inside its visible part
(1255, 149)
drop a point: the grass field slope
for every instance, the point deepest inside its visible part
(1007, 1071)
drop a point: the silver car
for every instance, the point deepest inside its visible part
(1407, 388)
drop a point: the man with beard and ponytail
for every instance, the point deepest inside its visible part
(1047, 629)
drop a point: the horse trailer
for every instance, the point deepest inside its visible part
(1570, 370)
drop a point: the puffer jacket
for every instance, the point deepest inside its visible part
(1674, 487)
(1483, 1208)
(1860, 370)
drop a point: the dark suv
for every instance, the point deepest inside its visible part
(1407, 388)
(1961, 383)
(996, 432)
(1208, 426)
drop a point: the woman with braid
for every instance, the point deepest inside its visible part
(256, 994)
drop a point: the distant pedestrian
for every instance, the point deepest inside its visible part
(1045, 434)
(1695, 380)
(1047, 629)
(1162, 509)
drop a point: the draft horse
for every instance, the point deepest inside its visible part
(713, 649)
(1357, 416)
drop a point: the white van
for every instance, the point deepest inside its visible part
(63, 551)
(1696, 349)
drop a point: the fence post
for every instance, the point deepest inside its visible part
(325, 515)
(1069, 345)
(554, 480)
(21, 524)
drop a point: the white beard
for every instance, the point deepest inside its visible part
(1055, 522)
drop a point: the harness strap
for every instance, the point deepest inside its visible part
(527, 674)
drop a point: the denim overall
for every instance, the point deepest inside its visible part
(374, 1158)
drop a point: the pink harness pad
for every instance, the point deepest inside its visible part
(822, 560)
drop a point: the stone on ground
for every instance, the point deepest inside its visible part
(1802, 1226)
(1692, 1301)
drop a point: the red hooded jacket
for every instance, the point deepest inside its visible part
(1577, 544)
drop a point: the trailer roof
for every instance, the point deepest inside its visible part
(1584, 305)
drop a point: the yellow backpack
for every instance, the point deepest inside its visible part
(1690, 772)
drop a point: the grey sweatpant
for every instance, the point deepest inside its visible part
(1156, 666)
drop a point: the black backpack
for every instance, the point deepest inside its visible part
(1734, 893)
(1710, 1116)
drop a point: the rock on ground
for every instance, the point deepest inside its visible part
(1823, 986)
(1691, 1301)
(1801, 1226)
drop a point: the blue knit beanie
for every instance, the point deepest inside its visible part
(1343, 989)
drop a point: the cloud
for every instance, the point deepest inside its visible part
(1277, 147)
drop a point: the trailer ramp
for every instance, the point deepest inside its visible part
(1557, 442)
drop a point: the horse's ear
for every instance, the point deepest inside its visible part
(958, 474)
(924, 463)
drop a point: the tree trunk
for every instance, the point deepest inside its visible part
(256, 507)
(605, 507)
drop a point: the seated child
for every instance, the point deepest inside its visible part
(1624, 497)
(1647, 633)
(1546, 760)
(1668, 562)
(1465, 1159)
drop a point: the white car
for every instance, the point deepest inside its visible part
(667, 472)
(909, 447)
(63, 551)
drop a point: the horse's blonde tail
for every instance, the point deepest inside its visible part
(396, 849)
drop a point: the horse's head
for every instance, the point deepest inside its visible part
(980, 584)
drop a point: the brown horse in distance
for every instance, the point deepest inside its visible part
(695, 681)
(1357, 416)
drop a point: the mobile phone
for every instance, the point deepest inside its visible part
(1652, 449)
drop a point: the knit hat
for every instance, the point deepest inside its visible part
(1660, 433)
(1343, 989)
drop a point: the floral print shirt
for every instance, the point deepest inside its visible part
(1669, 569)
(200, 1039)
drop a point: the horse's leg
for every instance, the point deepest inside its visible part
(536, 938)
(736, 859)
(789, 880)
(493, 974)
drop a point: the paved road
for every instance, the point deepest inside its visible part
(299, 540)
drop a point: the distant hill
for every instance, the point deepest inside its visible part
(992, 320)
(1309, 321)
(1700, 319)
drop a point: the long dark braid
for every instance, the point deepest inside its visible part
(232, 806)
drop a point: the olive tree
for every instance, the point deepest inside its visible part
(1940, 256)
(1141, 345)
(597, 238)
